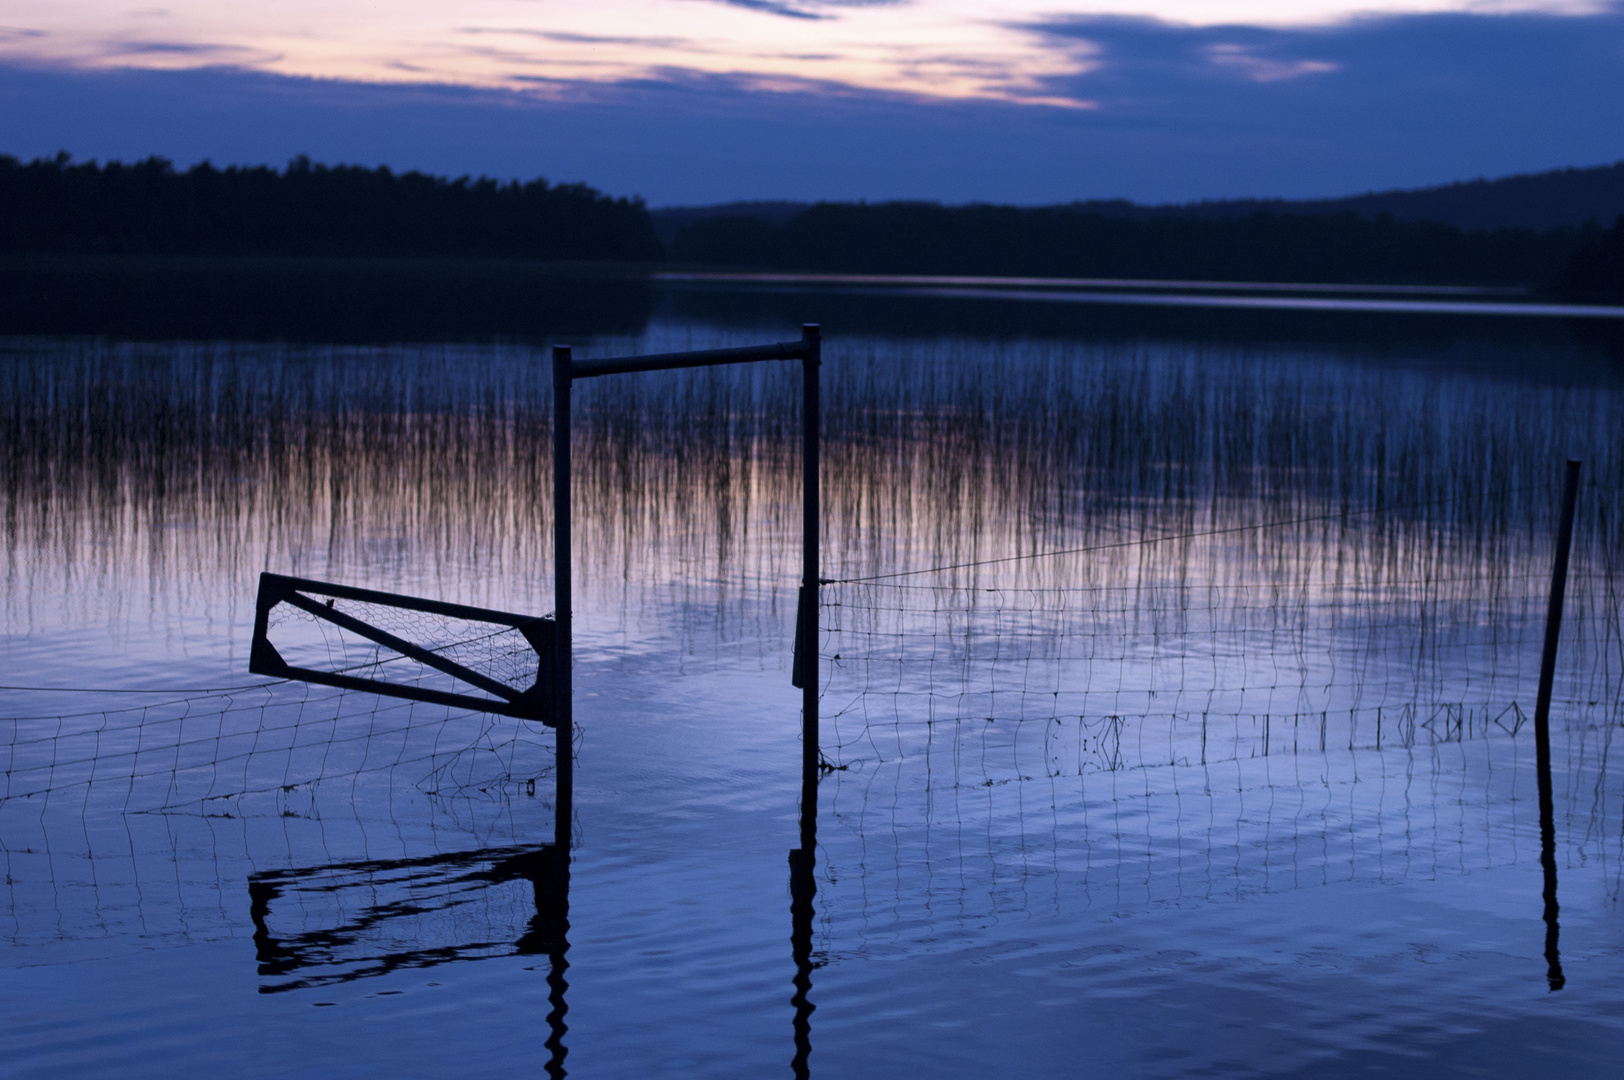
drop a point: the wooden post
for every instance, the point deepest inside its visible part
(563, 810)
(1542, 721)
(803, 860)
(807, 617)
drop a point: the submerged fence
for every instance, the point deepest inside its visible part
(265, 748)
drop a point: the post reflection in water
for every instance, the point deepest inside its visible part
(549, 934)
(803, 890)
(416, 913)
(1547, 862)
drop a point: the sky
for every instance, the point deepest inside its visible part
(700, 101)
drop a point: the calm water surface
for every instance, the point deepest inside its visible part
(1178, 678)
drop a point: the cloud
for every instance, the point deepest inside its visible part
(808, 9)
(181, 48)
(777, 7)
(563, 38)
(1408, 85)
(184, 53)
(1404, 50)
(1263, 68)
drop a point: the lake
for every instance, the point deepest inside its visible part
(1178, 666)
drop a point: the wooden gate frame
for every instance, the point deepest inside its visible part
(566, 370)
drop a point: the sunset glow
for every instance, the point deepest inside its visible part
(944, 49)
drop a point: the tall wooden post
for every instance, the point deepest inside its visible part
(803, 860)
(811, 435)
(565, 775)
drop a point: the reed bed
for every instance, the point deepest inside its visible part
(1011, 526)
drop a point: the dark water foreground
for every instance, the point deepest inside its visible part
(1241, 783)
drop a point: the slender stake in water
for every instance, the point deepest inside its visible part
(1542, 721)
(564, 804)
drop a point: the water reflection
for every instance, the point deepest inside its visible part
(369, 918)
(364, 919)
(1286, 655)
(803, 890)
(1547, 861)
(154, 298)
(851, 311)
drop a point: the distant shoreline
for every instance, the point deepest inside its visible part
(1375, 299)
(1075, 284)
(627, 270)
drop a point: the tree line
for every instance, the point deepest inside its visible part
(150, 207)
(1080, 241)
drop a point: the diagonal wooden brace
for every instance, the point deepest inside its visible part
(536, 703)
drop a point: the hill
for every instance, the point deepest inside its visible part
(1547, 200)
(1080, 242)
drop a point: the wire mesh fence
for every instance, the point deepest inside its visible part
(1211, 715)
(917, 856)
(329, 890)
(1174, 653)
(262, 748)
